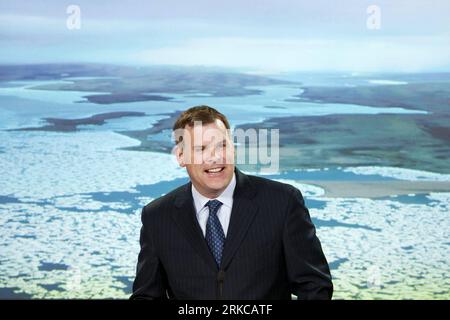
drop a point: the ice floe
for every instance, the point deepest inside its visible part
(388, 82)
(43, 165)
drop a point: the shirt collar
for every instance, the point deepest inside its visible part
(226, 197)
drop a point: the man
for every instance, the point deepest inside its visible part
(226, 235)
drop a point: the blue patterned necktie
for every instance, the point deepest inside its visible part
(215, 237)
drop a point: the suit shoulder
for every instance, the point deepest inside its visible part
(163, 203)
(273, 186)
(272, 194)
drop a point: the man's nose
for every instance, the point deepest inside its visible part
(214, 156)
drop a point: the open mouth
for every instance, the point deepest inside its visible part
(215, 170)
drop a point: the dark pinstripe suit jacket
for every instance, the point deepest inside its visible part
(271, 249)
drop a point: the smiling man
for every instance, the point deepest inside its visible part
(225, 234)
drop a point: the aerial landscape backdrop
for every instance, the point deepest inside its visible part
(89, 91)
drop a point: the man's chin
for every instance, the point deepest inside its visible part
(217, 182)
(216, 185)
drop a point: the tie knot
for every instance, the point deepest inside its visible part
(213, 205)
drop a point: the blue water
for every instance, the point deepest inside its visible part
(48, 266)
(409, 199)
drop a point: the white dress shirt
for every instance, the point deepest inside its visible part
(224, 213)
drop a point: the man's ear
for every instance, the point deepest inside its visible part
(180, 155)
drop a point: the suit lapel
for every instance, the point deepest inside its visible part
(242, 215)
(185, 217)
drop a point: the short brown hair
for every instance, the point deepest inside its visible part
(203, 113)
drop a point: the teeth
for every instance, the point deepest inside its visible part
(214, 170)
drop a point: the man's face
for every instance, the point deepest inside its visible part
(207, 152)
